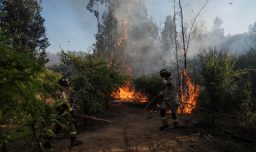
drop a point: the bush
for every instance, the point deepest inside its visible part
(243, 98)
(248, 62)
(229, 85)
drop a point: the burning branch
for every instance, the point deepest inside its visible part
(189, 94)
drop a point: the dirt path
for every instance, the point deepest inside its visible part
(135, 130)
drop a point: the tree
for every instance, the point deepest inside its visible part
(252, 35)
(125, 29)
(105, 38)
(24, 86)
(23, 26)
(217, 30)
(167, 34)
(106, 25)
(186, 36)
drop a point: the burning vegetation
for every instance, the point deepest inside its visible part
(127, 93)
(189, 94)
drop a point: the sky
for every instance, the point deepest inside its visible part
(71, 27)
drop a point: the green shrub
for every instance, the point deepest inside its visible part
(248, 62)
(229, 86)
(220, 76)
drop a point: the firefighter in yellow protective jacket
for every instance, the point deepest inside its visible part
(169, 98)
(64, 120)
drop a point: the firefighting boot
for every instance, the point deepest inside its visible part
(175, 124)
(163, 127)
(165, 124)
(175, 120)
(48, 147)
(48, 139)
(74, 142)
(164, 120)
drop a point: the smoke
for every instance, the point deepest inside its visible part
(236, 44)
(53, 59)
(143, 52)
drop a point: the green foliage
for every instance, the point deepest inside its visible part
(150, 85)
(47, 80)
(219, 73)
(248, 107)
(220, 80)
(21, 80)
(228, 88)
(94, 80)
(248, 60)
(23, 26)
(107, 27)
(243, 98)
(17, 89)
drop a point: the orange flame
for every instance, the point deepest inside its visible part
(126, 93)
(189, 95)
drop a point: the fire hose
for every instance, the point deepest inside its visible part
(82, 116)
(150, 102)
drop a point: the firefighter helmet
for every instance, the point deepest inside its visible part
(165, 74)
(65, 81)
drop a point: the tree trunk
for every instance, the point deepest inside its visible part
(176, 49)
(213, 102)
(183, 36)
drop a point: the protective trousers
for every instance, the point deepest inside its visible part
(172, 105)
(63, 123)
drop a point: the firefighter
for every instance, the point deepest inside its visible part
(64, 117)
(169, 98)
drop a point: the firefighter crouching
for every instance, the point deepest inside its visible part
(64, 120)
(169, 98)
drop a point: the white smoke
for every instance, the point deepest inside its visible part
(144, 52)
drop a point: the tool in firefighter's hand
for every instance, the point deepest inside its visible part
(150, 102)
